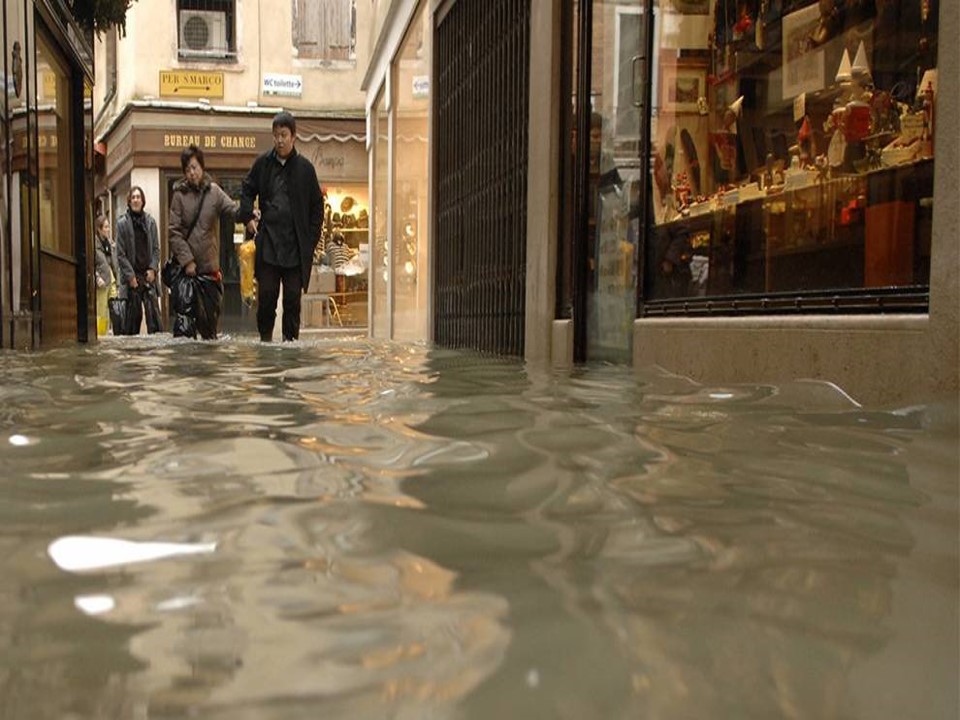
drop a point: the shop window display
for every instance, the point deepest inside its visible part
(792, 147)
(54, 138)
(342, 256)
(407, 254)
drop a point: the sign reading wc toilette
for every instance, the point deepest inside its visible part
(276, 84)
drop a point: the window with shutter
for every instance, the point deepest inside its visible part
(325, 29)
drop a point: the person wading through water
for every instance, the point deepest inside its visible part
(287, 225)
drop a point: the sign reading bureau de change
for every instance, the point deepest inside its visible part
(191, 84)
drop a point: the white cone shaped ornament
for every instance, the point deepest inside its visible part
(736, 107)
(844, 72)
(860, 70)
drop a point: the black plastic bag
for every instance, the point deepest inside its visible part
(117, 307)
(196, 303)
(152, 304)
(170, 271)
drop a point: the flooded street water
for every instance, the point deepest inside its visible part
(342, 528)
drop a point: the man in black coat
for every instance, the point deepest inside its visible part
(287, 225)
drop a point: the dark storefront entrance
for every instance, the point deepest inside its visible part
(46, 190)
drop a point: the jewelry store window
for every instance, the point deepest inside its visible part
(792, 150)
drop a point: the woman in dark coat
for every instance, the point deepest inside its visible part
(138, 255)
(106, 272)
(196, 208)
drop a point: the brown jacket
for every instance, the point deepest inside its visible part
(203, 244)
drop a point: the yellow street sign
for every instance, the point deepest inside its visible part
(191, 84)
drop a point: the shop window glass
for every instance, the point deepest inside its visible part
(613, 179)
(54, 140)
(792, 146)
(5, 209)
(410, 196)
(325, 29)
(343, 254)
(380, 260)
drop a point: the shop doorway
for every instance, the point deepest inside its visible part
(603, 176)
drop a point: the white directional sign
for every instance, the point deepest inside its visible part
(421, 86)
(276, 84)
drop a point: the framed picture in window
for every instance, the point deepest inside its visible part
(681, 86)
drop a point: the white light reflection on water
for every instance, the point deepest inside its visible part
(81, 554)
(408, 532)
(94, 604)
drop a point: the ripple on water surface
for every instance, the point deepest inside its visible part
(368, 529)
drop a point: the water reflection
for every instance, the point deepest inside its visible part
(359, 529)
(79, 554)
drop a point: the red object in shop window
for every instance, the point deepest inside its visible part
(851, 213)
(744, 24)
(856, 121)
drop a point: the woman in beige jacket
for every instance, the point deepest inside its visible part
(194, 233)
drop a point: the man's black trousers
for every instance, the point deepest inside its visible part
(269, 279)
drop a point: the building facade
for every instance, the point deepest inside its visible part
(46, 188)
(734, 191)
(214, 73)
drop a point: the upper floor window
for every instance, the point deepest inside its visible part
(325, 29)
(206, 29)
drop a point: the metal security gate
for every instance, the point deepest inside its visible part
(481, 111)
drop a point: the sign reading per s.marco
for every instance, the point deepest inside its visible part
(191, 84)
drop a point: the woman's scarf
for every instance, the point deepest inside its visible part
(141, 244)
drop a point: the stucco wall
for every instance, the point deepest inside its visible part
(264, 45)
